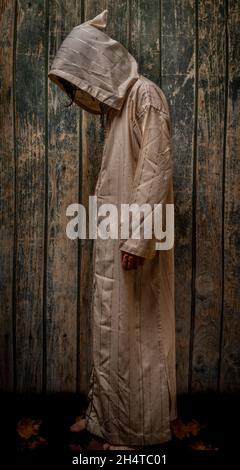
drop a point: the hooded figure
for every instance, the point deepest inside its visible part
(132, 397)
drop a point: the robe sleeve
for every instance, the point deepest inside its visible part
(153, 175)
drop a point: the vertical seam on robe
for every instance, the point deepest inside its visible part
(93, 302)
(100, 326)
(119, 310)
(140, 352)
(109, 341)
(163, 373)
(110, 348)
(150, 382)
(95, 383)
(118, 267)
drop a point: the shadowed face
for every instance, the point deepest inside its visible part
(81, 98)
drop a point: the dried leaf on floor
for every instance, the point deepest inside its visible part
(182, 430)
(27, 427)
(200, 445)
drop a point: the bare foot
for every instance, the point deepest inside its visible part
(80, 424)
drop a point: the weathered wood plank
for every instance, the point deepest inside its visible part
(161, 35)
(118, 20)
(230, 366)
(63, 190)
(30, 194)
(92, 145)
(210, 150)
(178, 81)
(6, 195)
(145, 37)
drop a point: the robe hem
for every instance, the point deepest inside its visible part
(114, 439)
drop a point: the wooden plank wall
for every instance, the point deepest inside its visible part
(50, 158)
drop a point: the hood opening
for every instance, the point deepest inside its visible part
(99, 69)
(80, 97)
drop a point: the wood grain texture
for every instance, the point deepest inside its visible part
(63, 190)
(7, 169)
(92, 146)
(178, 83)
(29, 194)
(230, 364)
(145, 37)
(209, 188)
(51, 156)
(118, 20)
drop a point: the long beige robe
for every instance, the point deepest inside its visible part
(132, 396)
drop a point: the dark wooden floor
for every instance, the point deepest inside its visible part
(218, 417)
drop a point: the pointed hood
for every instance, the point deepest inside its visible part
(96, 65)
